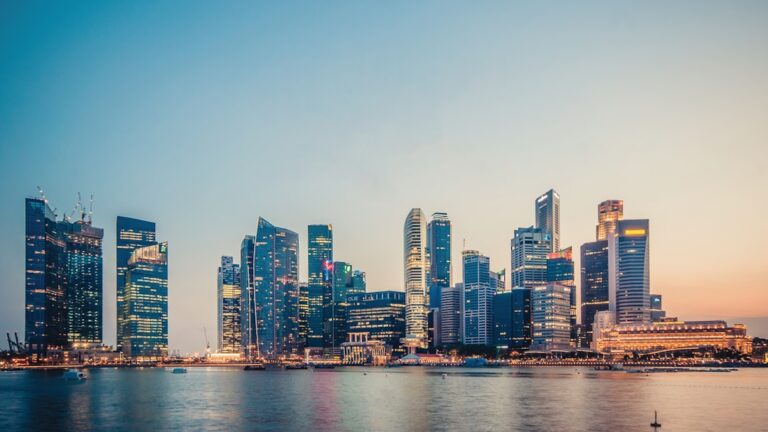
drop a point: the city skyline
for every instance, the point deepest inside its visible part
(154, 134)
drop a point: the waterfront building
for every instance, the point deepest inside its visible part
(609, 213)
(416, 295)
(360, 350)
(228, 306)
(335, 333)
(85, 282)
(479, 288)
(629, 276)
(303, 313)
(438, 251)
(131, 234)
(521, 328)
(319, 282)
(381, 314)
(451, 314)
(145, 328)
(551, 317)
(248, 334)
(548, 217)
(648, 338)
(358, 283)
(657, 311)
(594, 284)
(560, 269)
(45, 291)
(502, 320)
(530, 247)
(433, 327)
(276, 286)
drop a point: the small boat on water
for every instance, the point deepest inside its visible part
(295, 366)
(655, 423)
(254, 367)
(74, 375)
(321, 366)
(179, 370)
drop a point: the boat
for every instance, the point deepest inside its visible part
(295, 366)
(254, 367)
(74, 375)
(325, 366)
(179, 371)
(655, 423)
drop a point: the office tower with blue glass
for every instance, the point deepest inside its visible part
(145, 327)
(228, 302)
(629, 275)
(319, 282)
(85, 294)
(276, 286)
(502, 320)
(416, 288)
(451, 314)
(551, 317)
(479, 288)
(247, 298)
(335, 330)
(438, 252)
(381, 314)
(594, 283)
(548, 217)
(530, 247)
(560, 269)
(358, 282)
(131, 234)
(521, 330)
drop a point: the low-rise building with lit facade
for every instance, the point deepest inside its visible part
(360, 350)
(381, 314)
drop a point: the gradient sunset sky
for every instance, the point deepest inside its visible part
(203, 117)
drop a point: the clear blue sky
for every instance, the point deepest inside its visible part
(202, 117)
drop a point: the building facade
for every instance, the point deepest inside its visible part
(521, 327)
(248, 334)
(145, 328)
(530, 247)
(629, 275)
(416, 290)
(551, 317)
(548, 217)
(560, 269)
(228, 310)
(380, 314)
(438, 253)
(319, 282)
(594, 284)
(479, 288)
(85, 282)
(451, 314)
(657, 309)
(609, 213)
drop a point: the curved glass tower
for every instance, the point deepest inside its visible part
(414, 236)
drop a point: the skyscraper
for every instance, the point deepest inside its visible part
(276, 285)
(336, 313)
(548, 217)
(629, 276)
(320, 281)
(84, 281)
(530, 248)
(451, 314)
(46, 276)
(521, 331)
(358, 282)
(228, 295)
(248, 335)
(145, 327)
(131, 234)
(479, 288)
(416, 295)
(551, 317)
(438, 251)
(594, 284)
(560, 269)
(502, 320)
(609, 212)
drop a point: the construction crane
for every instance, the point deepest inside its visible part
(207, 344)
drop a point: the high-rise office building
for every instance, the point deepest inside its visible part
(131, 234)
(521, 330)
(303, 313)
(381, 314)
(657, 310)
(560, 269)
(502, 320)
(228, 296)
(276, 286)
(594, 284)
(551, 317)
(145, 327)
(248, 334)
(84, 281)
(451, 314)
(609, 213)
(438, 252)
(548, 217)
(358, 283)
(629, 276)
(46, 277)
(530, 248)
(416, 295)
(319, 281)
(479, 288)
(335, 330)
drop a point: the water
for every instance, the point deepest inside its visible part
(402, 399)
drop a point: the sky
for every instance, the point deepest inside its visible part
(204, 118)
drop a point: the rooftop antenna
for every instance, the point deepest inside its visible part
(81, 207)
(90, 211)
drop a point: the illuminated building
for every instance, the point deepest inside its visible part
(414, 237)
(228, 295)
(609, 213)
(520, 330)
(303, 313)
(358, 283)
(145, 328)
(46, 312)
(84, 281)
(502, 320)
(319, 282)
(381, 314)
(530, 247)
(594, 284)
(438, 252)
(131, 234)
(551, 317)
(479, 288)
(548, 217)
(335, 333)
(672, 335)
(360, 350)
(560, 269)
(247, 298)
(451, 314)
(628, 269)
(657, 311)
(276, 286)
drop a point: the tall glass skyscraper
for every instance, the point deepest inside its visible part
(451, 314)
(84, 282)
(131, 234)
(438, 251)
(551, 317)
(548, 217)
(416, 295)
(521, 331)
(248, 339)
(502, 320)
(336, 313)
(479, 289)
(609, 213)
(530, 248)
(594, 283)
(276, 283)
(320, 281)
(46, 325)
(560, 269)
(629, 276)
(228, 295)
(145, 327)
